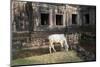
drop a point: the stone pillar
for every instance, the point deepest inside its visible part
(64, 18)
(51, 18)
(92, 17)
(54, 17)
(78, 19)
(12, 17)
(69, 17)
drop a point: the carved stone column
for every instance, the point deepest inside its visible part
(51, 17)
(64, 18)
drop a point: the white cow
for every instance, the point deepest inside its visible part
(57, 38)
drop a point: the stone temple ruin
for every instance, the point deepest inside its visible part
(32, 22)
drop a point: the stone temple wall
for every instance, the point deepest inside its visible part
(40, 39)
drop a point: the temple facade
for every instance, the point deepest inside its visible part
(50, 16)
(38, 19)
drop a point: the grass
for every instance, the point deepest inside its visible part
(58, 57)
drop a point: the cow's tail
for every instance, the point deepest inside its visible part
(66, 45)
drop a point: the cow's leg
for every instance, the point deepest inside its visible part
(53, 47)
(50, 49)
(66, 47)
(50, 46)
(61, 43)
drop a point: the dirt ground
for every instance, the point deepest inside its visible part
(58, 57)
(42, 56)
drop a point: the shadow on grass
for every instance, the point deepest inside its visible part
(31, 52)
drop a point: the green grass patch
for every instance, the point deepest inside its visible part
(58, 57)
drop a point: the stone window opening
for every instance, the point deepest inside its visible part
(59, 19)
(44, 19)
(74, 18)
(86, 17)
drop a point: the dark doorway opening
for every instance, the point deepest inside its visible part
(44, 19)
(74, 19)
(87, 18)
(59, 20)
